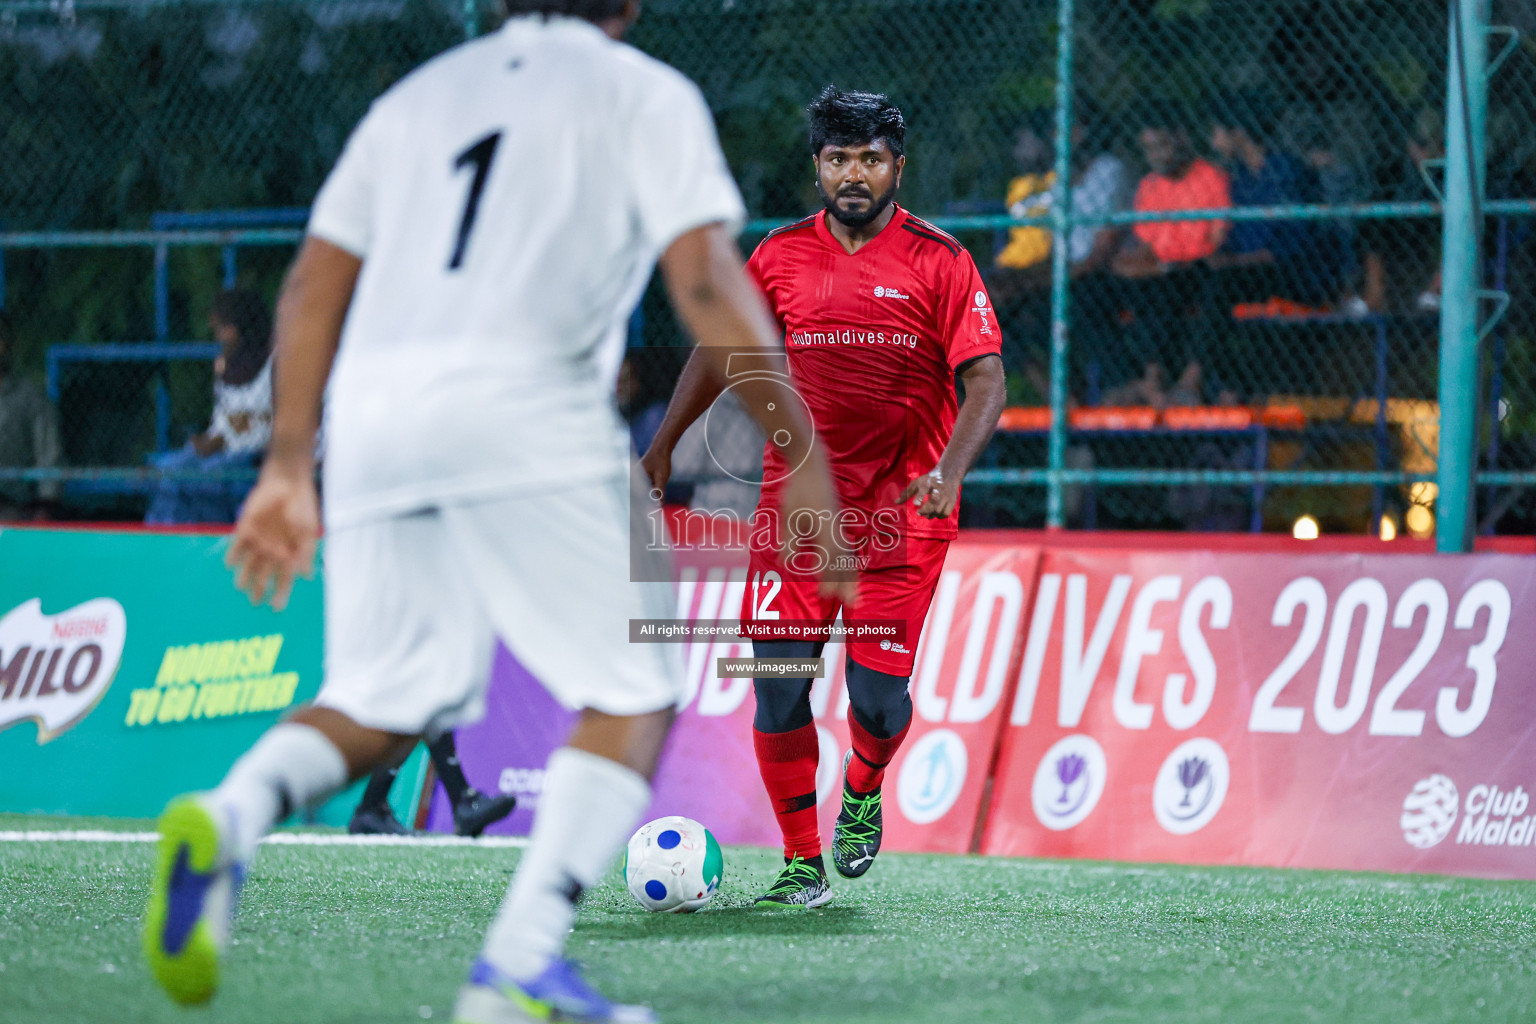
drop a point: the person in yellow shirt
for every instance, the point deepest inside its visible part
(1029, 195)
(1099, 186)
(1020, 276)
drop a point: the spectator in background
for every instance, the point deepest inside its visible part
(1099, 186)
(1164, 263)
(1261, 259)
(29, 438)
(241, 425)
(1341, 181)
(1025, 256)
(1021, 276)
(1176, 180)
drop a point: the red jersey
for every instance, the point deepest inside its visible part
(873, 340)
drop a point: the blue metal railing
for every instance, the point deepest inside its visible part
(231, 230)
(58, 356)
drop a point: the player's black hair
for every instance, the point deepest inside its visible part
(592, 10)
(844, 118)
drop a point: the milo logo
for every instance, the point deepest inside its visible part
(55, 668)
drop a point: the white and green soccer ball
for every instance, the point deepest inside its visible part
(673, 865)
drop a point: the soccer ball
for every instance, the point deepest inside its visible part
(673, 865)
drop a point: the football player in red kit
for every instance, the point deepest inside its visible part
(880, 312)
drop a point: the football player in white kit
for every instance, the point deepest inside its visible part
(470, 266)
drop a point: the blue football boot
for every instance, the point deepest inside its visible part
(558, 994)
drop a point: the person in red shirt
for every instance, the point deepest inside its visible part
(880, 312)
(1178, 180)
(1165, 265)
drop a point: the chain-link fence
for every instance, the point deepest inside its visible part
(1290, 349)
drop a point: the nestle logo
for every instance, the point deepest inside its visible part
(75, 629)
(55, 668)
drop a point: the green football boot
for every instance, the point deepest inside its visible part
(856, 836)
(801, 885)
(192, 898)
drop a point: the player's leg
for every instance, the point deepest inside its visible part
(555, 578)
(472, 809)
(206, 840)
(784, 740)
(373, 815)
(881, 714)
(404, 653)
(879, 701)
(783, 733)
(596, 788)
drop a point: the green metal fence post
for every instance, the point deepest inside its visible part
(1061, 228)
(1466, 115)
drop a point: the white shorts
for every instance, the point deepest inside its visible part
(414, 604)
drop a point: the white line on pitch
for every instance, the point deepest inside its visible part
(279, 839)
(328, 839)
(88, 835)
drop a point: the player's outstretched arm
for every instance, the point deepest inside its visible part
(725, 314)
(938, 493)
(280, 524)
(697, 388)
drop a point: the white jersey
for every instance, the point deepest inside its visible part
(509, 200)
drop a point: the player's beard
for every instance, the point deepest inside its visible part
(856, 220)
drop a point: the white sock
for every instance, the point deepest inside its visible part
(587, 811)
(291, 766)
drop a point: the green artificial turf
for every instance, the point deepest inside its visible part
(379, 934)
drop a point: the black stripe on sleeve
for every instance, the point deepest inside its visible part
(934, 235)
(796, 226)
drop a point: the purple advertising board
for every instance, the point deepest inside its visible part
(706, 755)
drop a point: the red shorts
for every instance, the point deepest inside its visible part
(895, 590)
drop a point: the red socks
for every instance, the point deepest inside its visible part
(870, 756)
(787, 761)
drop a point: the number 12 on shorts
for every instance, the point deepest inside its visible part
(765, 585)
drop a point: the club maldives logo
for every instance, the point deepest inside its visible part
(932, 776)
(1492, 816)
(1191, 786)
(55, 668)
(1069, 781)
(1429, 811)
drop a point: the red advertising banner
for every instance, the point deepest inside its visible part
(1338, 711)
(966, 661)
